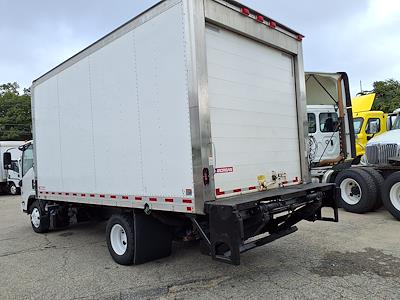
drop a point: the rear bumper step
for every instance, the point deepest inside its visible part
(241, 223)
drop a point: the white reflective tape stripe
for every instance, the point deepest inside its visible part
(219, 192)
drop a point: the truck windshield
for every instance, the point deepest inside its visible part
(358, 122)
(27, 159)
(396, 124)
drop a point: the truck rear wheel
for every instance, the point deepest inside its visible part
(40, 220)
(379, 181)
(136, 238)
(358, 190)
(120, 239)
(391, 194)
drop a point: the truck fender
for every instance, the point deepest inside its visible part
(327, 177)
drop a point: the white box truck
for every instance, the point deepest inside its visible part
(191, 122)
(10, 172)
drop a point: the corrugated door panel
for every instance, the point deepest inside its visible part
(253, 110)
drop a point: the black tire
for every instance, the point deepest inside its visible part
(13, 189)
(126, 222)
(367, 189)
(40, 220)
(379, 181)
(392, 205)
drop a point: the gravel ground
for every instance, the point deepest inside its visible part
(356, 259)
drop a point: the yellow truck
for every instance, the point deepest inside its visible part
(367, 123)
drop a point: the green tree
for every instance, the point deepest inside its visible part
(15, 113)
(388, 95)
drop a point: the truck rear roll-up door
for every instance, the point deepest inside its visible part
(253, 111)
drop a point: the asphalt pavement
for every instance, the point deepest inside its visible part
(358, 258)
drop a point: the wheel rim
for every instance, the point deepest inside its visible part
(350, 191)
(13, 189)
(35, 217)
(119, 240)
(395, 195)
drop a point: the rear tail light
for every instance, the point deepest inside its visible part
(260, 19)
(245, 11)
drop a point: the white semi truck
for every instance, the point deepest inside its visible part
(383, 155)
(200, 108)
(10, 176)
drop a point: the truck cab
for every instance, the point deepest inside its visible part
(14, 174)
(324, 137)
(10, 169)
(367, 123)
(27, 183)
(385, 148)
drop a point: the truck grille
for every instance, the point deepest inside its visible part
(380, 154)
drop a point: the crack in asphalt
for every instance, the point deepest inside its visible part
(165, 292)
(355, 263)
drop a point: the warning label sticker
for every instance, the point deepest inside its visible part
(224, 170)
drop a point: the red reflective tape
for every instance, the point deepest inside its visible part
(237, 190)
(138, 198)
(170, 200)
(285, 182)
(252, 188)
(219, 192)
(125, 197)
(92, 195)
(113, 197)
(272, 24)
(102, 196)
(188, 208)
(153, 199)
(187, 201)
(83, 195)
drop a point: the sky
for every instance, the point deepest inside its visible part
(360, 37)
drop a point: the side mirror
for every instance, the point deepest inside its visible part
(7, 160)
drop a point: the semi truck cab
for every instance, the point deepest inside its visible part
(367, 123)
(323, 131)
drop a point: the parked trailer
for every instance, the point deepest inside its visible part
(199, 107)
(10, 172)
(364, 187)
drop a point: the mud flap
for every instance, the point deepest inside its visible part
(331, 200)
(153, 239)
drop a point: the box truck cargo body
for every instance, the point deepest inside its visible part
(199, 107)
